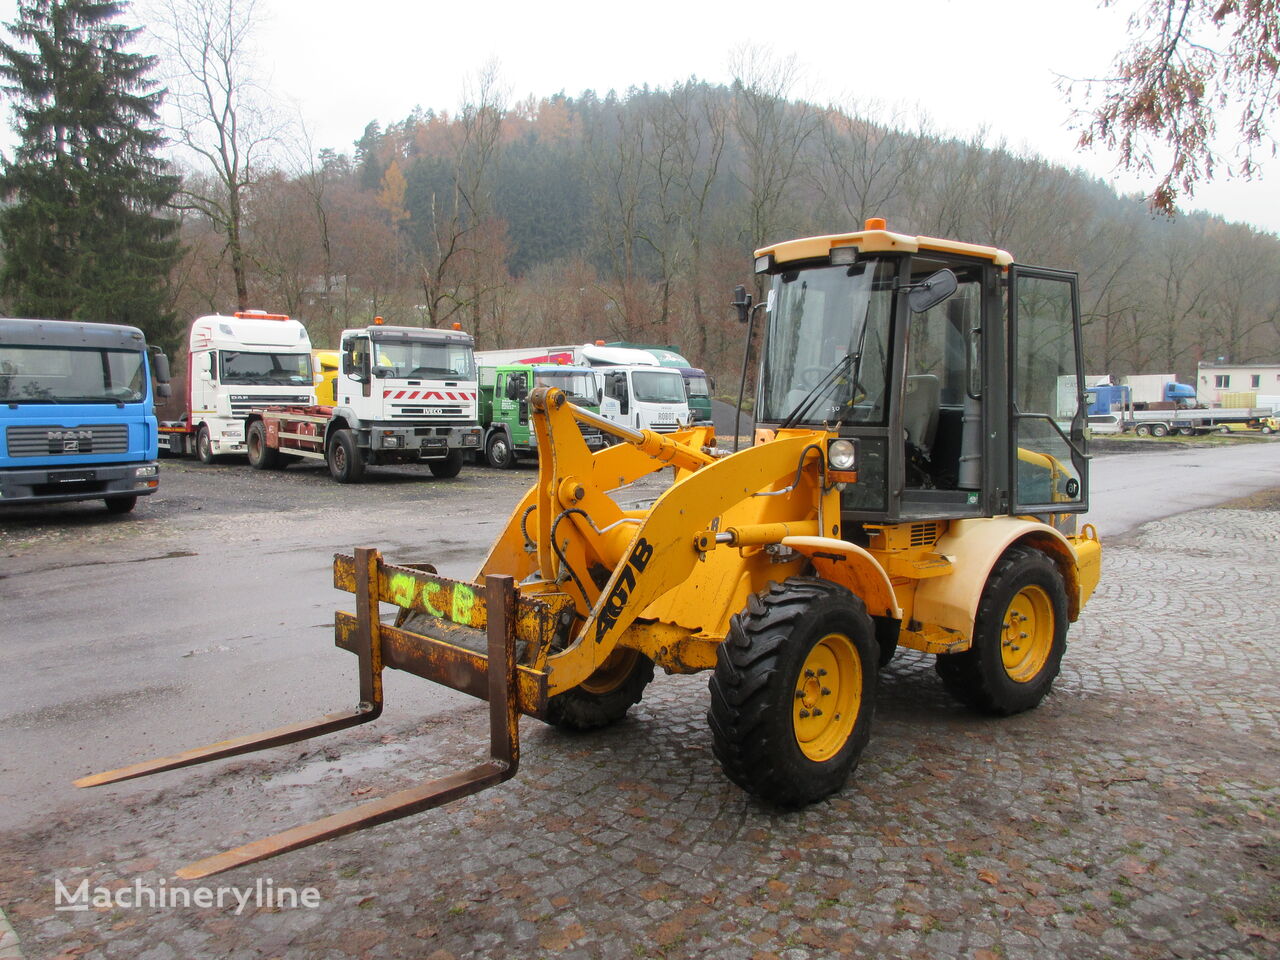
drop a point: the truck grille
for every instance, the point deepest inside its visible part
(242, 403)
(433, 411)
(52, 441)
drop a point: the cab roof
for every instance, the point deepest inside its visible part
(875, 238)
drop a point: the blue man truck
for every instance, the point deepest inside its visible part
(77, 413)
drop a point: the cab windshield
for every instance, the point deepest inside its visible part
(697, 386)
(657, 387)
(67, 375)
(579, 386)
(416, 360)
(265, 369)
(828, 349)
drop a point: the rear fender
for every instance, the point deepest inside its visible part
(974, 547)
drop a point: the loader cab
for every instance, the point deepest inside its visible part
(956, 373)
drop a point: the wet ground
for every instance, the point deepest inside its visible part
(1133, 814)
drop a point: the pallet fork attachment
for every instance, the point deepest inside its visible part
(506, 688)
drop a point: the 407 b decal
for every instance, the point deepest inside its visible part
(623, 589)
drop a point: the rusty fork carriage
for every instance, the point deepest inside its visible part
(510, 689)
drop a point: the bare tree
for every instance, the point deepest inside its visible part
(772, 131)
(220, 113)
(456, 267)
(863, 165)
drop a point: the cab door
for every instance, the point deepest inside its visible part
(1047, 411)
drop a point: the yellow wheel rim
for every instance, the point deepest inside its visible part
(1026, 635)
(827, 698)
(615, 669)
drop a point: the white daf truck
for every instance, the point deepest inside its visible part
(235, 364)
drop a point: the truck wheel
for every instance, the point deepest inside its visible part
(605, 696)
(1020, 635)
(261, 456)
(499, 452)
(793, 691)
(450, 466)
(346, 465)
(1266, 429)
(120, 504)
(1159, 430)
(204, 446)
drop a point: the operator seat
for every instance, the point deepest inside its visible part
(920, 411)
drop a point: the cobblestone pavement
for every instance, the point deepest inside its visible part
(1133, 815)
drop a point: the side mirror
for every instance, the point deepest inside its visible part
(599, 395)
(741, 302)
(206, 367)
(164, 391)
(348, 365)
(931, 291)
(160, 367)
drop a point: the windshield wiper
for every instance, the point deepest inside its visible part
(818, 389)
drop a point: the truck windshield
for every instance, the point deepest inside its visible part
(70, 375)
(827, 356)
(579, 386)
(417, 360)
(264, 369)
(697, 386)
(657, 386)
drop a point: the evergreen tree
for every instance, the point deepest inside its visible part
(83, 231)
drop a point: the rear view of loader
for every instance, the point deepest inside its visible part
(916, 475)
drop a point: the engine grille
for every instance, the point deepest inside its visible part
(52, 441)
(242, 403)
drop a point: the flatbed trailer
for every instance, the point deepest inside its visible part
(1189, 421)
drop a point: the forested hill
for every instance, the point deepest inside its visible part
(631, 217)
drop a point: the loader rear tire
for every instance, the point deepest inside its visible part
(605, 696)
(1020, 635)
(793, 691)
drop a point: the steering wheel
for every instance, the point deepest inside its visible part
(808, 378)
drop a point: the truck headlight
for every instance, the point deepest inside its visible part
(390, 440)
(148, 471)
(842, 455)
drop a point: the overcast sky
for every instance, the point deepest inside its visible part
(966, 65)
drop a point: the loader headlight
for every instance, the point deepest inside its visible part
(842, 455)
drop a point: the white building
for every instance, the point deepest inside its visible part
(1213, 380)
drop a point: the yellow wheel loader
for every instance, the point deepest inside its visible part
(917, 470)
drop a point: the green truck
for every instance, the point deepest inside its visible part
(504, 406)
(696, 384)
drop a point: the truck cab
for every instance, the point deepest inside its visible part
(644, 397)
(408, 393)
(250, 360)
(77, 413)
(504, 406)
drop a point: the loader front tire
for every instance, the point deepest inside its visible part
(605, 696)
(793, 691)
(1020, 635)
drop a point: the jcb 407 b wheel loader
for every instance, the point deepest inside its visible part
(917, 469)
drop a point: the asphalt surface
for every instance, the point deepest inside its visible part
(1133, 814)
